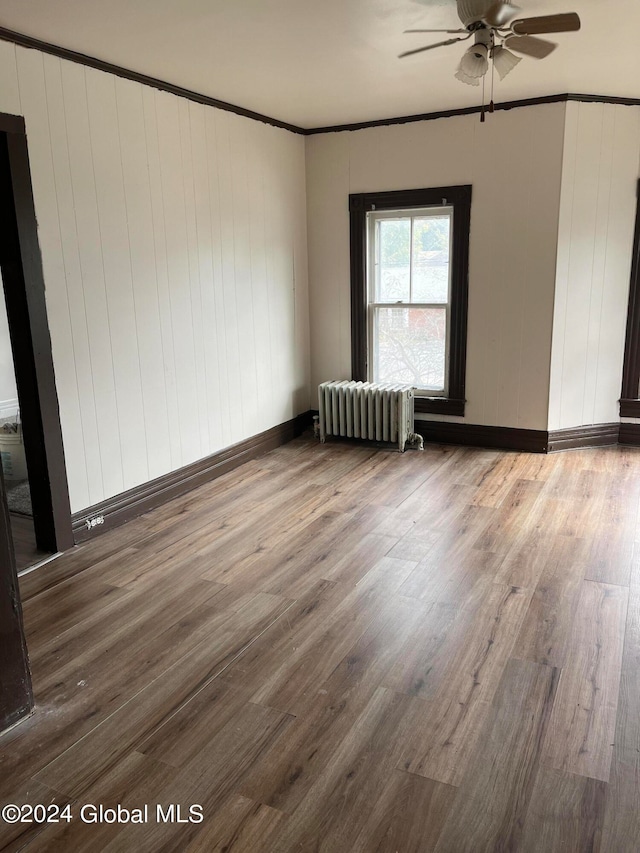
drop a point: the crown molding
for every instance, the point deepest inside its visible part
(128, 74)
(465, 111)
(191, 95)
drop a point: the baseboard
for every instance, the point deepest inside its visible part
(127, 505)
(475, 435)
(527, 440)
(629, 408)
(595, 435)
(630, 434)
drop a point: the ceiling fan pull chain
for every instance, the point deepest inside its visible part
(493, 77)
(482, 115)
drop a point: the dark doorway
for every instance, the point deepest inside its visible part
(23, 284)
(13, 456)
(630, 397)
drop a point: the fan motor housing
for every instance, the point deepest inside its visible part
(471, 12)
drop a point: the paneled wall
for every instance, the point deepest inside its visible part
(173, 238)
(597, 214)
(514, 163)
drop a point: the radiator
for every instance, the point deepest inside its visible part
(369, 411)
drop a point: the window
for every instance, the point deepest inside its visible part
(409, 285)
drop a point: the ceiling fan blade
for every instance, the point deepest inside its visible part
(499, 14)
(568, 23)
(429, 47)
(434, 31)
(537, 48)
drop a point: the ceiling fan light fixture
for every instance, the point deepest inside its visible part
(475, 61)
(504, 61)
(470, 81)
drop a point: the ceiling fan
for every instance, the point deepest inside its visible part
(496, 33)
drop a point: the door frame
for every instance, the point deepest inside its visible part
(24, 288)
(630, 395)
(16, 693)
(23, 281)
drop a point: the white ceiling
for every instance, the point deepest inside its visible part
(324, 62)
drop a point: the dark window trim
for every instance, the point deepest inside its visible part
(359, 205)
(630, 397)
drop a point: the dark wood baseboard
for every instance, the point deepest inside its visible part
(594, 435)
(127, 505)
(439, 406)
(474, 435)
(527, 440)
(630, 408)
(134, 502)
(629, 434)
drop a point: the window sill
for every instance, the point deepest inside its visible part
(439, 406)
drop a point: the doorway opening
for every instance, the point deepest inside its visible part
(31, 438)
(13, 455)
(35, 481)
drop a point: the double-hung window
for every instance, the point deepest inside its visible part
(409, 282)
(409, 274)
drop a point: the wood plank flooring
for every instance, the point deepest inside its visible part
(340, 648)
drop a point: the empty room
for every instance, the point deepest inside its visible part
(320, 426)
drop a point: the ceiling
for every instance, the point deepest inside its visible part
(314, 63)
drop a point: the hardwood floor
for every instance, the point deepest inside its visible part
(336, 648)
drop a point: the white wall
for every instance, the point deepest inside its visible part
(173, 238)
(8, 391)
(514, 163)
(174, 242)
(595, 241)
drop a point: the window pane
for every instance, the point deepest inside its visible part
(410, 346)
(394, 253)
(431, 236)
